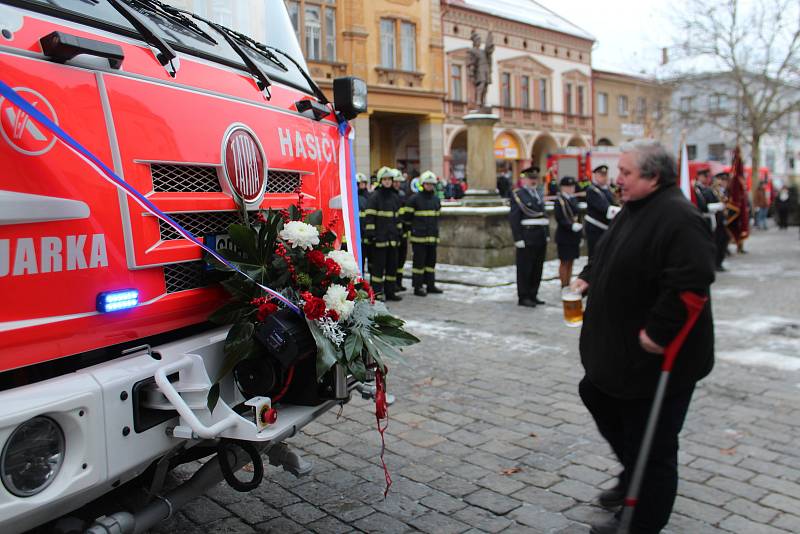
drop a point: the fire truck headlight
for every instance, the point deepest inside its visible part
(32, 456)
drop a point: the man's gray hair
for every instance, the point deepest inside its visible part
(653, 160)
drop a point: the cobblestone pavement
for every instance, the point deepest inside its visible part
(488, 433)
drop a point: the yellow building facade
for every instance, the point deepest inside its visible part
(396, 47)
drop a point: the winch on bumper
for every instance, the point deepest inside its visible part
(118, 417)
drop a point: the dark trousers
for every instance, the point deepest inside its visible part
(424, 269)
(622, 422)
(783, 218)
(402, 254)
(721, 243)
(530, 261)
(593, 235)
(383, 268)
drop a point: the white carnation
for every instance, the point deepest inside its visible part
(336, 299)
(300, 234)
(346, 261)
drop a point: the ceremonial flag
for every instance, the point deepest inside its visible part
(739, 217)
(683, 172)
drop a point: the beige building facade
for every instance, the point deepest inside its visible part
(396, 47)
(541, 82)
(629, 107)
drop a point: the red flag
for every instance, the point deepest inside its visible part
(739, 218)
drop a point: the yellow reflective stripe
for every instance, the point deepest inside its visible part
(377, 279)
(370, 226)
(362, 214)
(426, 213)
(402, 210)
(417, 271)
(400, 271)
(390, 278)
(386, 213)
(400, 226)
(428, 239)
(409, 209)
(384, 244)
(429, 269)
(370, 211)
(407, 234)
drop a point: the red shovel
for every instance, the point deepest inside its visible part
(694, 305)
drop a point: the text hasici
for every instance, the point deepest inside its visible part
(307, 146)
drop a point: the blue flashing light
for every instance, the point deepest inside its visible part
(110, 301)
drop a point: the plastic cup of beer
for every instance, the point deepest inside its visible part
(573, 307)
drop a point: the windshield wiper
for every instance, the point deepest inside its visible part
(161, 49)
(314, 87)
(174, 15)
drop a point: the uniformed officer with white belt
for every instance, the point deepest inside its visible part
(531, 230)
(601, 206)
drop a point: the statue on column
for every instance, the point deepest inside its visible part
(479, 68)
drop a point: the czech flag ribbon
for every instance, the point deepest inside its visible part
(349, 189)
(111, 177)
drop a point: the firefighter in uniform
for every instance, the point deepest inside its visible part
(531, 230)
(363, 200)
(568, 230)
(398, 183)
(601, 206)
(382, 228)
(422, 216)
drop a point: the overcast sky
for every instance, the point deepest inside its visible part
(629, 33)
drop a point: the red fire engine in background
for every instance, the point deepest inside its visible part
(105, 351)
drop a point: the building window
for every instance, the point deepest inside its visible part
(525, 92)
(543, 93)
(314, 24)
(456, 91)
(602, 103)
(568, 99)
(388, 50)
(691, 151)
(622, 106)
(641, 108)
(580, 100)
(716, 103)
(505, 88)
(408, 41)
(686, 104)
(716, 152)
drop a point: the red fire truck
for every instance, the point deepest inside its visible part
(105, 348)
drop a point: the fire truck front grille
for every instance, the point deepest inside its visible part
(185, 276)
(184, 179)
(283, 181)
(200, 224)
(171, 178)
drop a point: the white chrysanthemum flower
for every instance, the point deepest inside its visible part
(336, 299)
(300, 234)
(346, 261)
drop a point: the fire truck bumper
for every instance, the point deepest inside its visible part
(102, 446)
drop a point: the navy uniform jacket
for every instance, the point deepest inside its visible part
(566, 209)
(598, 200)
(383, 223)
(528, 205)
(422, 217)
(363, 201)
(705, 196)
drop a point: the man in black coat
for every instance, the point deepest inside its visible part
(601, 206)
(531, 230)
(657, 247)
(568, 228)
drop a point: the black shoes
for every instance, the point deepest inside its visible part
(433, 290)
(538, 301)
(610, 526)
(612, 498)
(420, 292)
(394, 297)
(401, 287)
(527, 302)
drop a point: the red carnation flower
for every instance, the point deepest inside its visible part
(333, 314)
(314, 307)
(316, 258)
(333, 268)
(265, 310)
(351, 291)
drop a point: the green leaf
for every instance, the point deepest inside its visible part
(241, 289)
(388, 320)
(238, 345)
(326, 350)
(315, 218)
(397, 337)
(374, 352)
(230, 312)
(353, 346)
(294, 213)
(213, 397)
(245, 239)
(358, 369)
